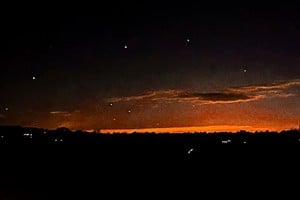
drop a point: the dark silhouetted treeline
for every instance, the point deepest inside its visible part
(20, 135)
(54, 156)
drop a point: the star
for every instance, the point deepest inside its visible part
(33, 78)
(245, 70)
(188, 40)
(110, 104)
(129, 111)
(125, 47)
(6, 109)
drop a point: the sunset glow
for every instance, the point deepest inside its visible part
(193, 69)
(208, 129)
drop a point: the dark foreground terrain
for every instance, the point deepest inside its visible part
(16, 135)
(36, 158)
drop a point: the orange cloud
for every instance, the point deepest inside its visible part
(228, 96)
(61, 113)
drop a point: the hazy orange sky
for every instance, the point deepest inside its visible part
(257, 107)
(153, 68)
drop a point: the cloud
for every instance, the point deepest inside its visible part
(230, 95)
(274, 87)
(172, 96)
(61, 113)
(152, 96)
(217, 96)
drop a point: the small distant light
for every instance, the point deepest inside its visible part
(27, 135)
(61, 140)
(55, 140)
(125, 47)
(245, 142)
(114, 119)
(45, 132)
(6, 109)
(190, 151)
(2, 136)
(33, 78)
(188, 40)
(245, 70)
(110, 104)
(129, 111)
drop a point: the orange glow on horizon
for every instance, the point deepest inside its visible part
(209, 129)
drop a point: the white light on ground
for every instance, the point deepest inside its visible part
(226, 141)
(190, 151)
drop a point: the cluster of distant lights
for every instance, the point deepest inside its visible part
(226, 141)
(191, 150)
(29, 135)
(57, 140)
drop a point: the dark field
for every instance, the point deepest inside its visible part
(38, 157)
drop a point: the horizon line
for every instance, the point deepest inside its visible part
(176, 130)
(191, 129)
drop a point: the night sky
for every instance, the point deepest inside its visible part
(130, 66)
